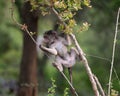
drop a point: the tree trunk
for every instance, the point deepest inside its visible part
(28, 67)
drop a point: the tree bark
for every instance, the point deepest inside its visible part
(28, 67)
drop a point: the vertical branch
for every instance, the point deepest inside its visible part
(113, 52)
(12, 14)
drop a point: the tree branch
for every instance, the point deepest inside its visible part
(89, 72)
(113, 52)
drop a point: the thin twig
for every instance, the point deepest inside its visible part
(117, 76)
(22, 26)
(69, 83)
(98, 57)
(12, 14)
(113, 52)
(99, 86)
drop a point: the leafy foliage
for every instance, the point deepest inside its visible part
(66, 92)
(114, 92)
(51, 90)
(66, 10)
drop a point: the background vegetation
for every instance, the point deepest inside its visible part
(97, 41)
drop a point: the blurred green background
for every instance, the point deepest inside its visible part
(96, 42)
